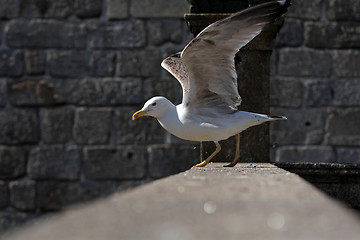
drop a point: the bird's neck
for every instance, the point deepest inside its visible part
(169, 118)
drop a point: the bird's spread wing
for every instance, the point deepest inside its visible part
(173, 64)
(210, 79)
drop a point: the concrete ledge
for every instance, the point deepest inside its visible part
(250, 201)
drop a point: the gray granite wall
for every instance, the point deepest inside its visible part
(315, 82)
(73, 72)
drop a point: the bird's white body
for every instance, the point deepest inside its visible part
(179, 121)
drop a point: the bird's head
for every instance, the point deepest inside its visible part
(154, 107)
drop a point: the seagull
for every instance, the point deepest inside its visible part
(206, 71)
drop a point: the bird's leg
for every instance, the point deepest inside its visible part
(237, 153)
(206, 161)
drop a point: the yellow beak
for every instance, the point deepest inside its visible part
(139, 114)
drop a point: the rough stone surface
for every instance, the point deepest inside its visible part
(12, 63)
(323, 154)
(144, 63)
(161, 31)
(35, 62)
(333, 35)
(59, 9)
(9, 8)
(54, 162)
(53, 195)
(166, 9)
(143, 131)
(342, 127)
(122, 162)
(290, 34)
(12, 162)
(33, 93)
(4, 195)
(92, 126)
(12, 219)
(66, 63)
(303, 127)
(57, 125)
(255, 201)
(348, 155)
(167, 86)
(45, 34)
(286, 92)
(343, 10)
(313, 63)
(3, 90)
(306, 10)
(123, 34)
(22, 195)
(345, 63)
(165, 160)
(88, 8)
(319, 93)
(19, 126)
(117, 9)
(102, 64)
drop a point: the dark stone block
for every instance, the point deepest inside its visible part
(49, 34)
(12, 162)
(33, 93)
(35, 62)
(66, 63)
(147, 9)
(117, 9)
(319, 154)
(348, 155)
(54, 162)
(9, 8)
(162, 31)
(303, 127)
(19, 126)
(342, 127)
(144, 130)
(346, 92)
(290, 34)
(343, 10)
(4, 195)
(171, 159)
(92, 126)
(88, 8)
(319, 93)
(304, 63)
(306, 10)
(138, 63)
(3, 91)
(122, 162)
(345, 63)
(57, 125)
(22, 195)
(286, 92)
(9, 220)
(58, 9)
(33, 8)
(53, 195)
(332, 35)
(123, 34)
(102, 63)
(12, 63)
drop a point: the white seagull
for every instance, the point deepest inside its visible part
(206, 71)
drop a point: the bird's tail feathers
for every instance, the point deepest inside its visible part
(274, 118)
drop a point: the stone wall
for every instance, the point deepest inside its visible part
(316, 83)
(71, 75)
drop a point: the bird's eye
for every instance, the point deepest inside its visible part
(154, 104)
